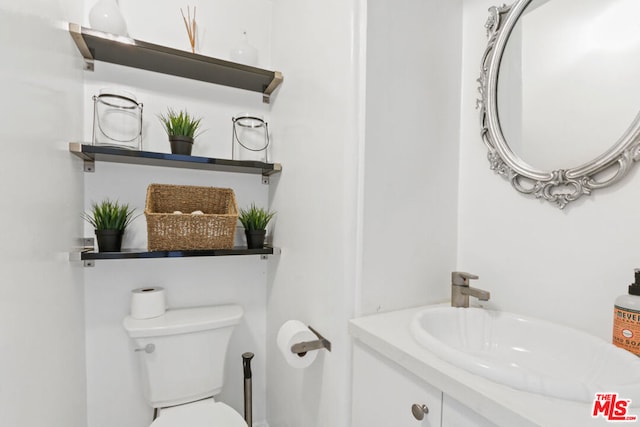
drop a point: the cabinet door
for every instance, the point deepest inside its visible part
(455, 414)
(383, 393)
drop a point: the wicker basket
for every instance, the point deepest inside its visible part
(168, 231)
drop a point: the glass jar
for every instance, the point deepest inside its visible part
(250, 138)
(117, 119)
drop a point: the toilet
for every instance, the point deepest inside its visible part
(182, 356)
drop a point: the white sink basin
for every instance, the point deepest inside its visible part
(528, 354)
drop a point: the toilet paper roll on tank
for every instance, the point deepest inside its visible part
(148, 302)
(293, 332)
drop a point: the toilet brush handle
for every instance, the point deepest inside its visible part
(248, 392)
(246, 364)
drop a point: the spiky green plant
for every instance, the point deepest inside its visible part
(180, 123)
(255, 218)
(108, 215)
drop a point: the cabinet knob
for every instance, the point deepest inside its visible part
(419, 411)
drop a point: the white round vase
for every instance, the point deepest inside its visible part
(244, 53)
(105, 16)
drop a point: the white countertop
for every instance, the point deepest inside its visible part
(389, 335)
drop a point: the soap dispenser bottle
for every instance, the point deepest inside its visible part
(626, 318)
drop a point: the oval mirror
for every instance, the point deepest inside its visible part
(560, 95)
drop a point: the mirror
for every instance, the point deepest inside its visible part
(559, 88)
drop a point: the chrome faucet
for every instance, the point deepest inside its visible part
(460, 289)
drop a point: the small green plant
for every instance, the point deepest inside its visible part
(180, 123)
(255, 218)
(108, 215)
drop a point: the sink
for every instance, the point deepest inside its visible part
(528, 354)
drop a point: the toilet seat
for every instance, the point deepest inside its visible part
(204, 413)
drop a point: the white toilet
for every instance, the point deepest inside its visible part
(183, 354)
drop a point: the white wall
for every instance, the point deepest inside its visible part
(220, 24)
(316, 118)
(411, 171)
(41, 293)
(565, 266)
(113, 389)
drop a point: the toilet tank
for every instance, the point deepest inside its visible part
(189, 349)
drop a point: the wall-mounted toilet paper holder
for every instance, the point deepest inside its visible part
(302, 348)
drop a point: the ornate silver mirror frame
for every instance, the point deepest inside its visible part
(559, 186)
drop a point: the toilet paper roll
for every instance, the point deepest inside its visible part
(147, 303)
(293, 332)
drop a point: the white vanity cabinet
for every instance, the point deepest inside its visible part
(455, 414)
(384, 392)
(392, 371)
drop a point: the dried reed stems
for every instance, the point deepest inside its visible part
(190, 24)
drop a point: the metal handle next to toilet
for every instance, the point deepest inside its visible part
(149, 348)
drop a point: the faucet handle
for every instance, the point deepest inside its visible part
(460, 278)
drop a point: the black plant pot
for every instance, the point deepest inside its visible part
(109, 240)
(181, 145)
(255, 238)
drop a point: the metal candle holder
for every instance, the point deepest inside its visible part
(251, 122)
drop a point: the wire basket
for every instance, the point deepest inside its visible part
(171, 225)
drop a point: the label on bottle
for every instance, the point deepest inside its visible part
(626, 329)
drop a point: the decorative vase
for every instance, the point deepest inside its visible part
(181, 145)
(105, 16)
(244, 53)
(255, 238)
(109, 240)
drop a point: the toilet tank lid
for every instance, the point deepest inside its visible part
(184, 320)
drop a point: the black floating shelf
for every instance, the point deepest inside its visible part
(93, 153)
(106, 47)
(144, 254)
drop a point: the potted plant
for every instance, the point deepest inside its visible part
(181, 127)
(109, 219)
(255, 221)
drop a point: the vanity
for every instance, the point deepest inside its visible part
(392, 372)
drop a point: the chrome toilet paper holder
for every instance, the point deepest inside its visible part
(303, 347)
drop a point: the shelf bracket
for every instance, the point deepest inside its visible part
(76, 34)
(266, 173)
(277, 79)
(88, 246)
(276, 251)
(89, 166)
(84, 244)
(88, 65)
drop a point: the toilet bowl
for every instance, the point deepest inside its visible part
(204, 413)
